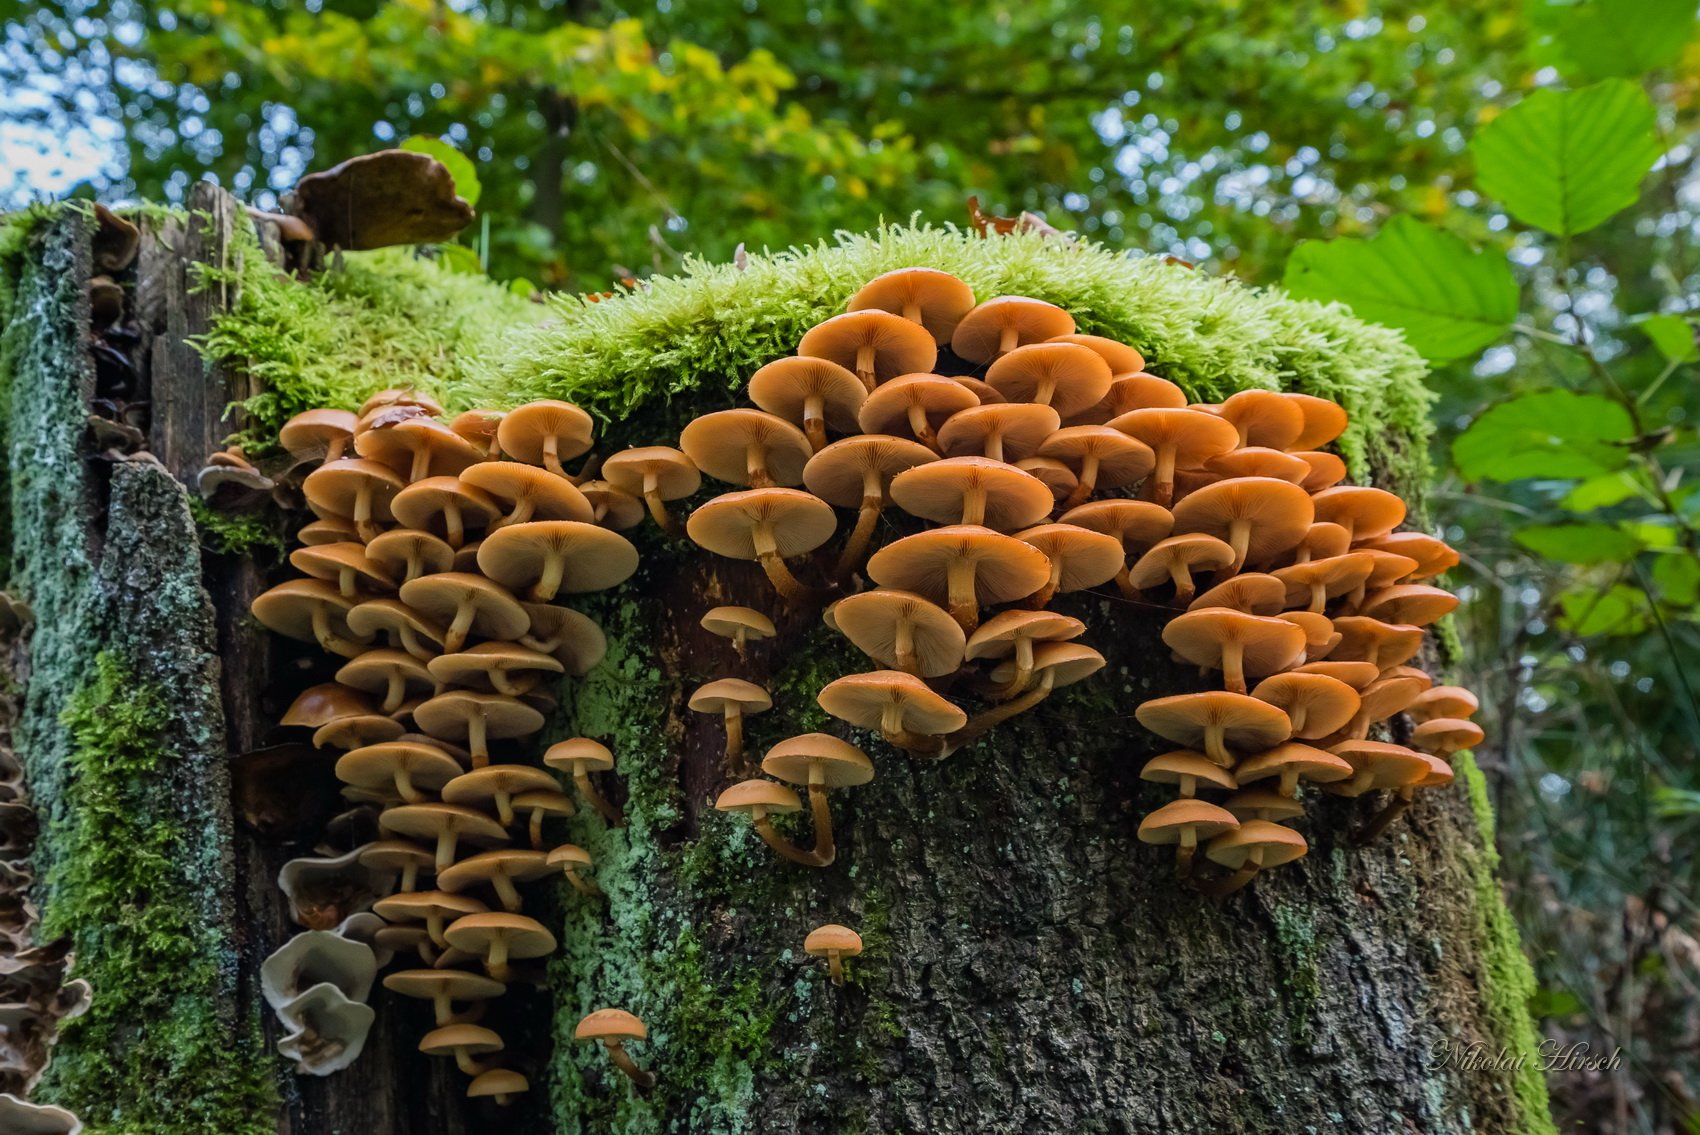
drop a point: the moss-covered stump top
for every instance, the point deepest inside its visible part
(689, 342)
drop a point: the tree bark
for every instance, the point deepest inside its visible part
(1029, 965)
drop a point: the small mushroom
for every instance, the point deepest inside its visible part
(1236, 643)
(613, 507)
(1383, 645)
(1259, 517)
(742, 625)
(1080, 558)
(446, 824)
(1013, 634)
(906, 711)
(1316, 581)
(447, 506)
(478, 718)
(999, 431)
(116, 240)
(1055, 665)
(766, 525)
(1445, 701)
(434, 908)
(1174, 560)
(466, 604)
(443, 987)
(417, 448)
(1264, 418)
(392, 855)
(1379, 764)
(1292, 761)
(1185, 823)
(1439, 775)
(579, 757)
(1317, 704)
(747, 447)
(324, 891)
(501, 870)
(545, 433)
(857, 473)
(934, 299)
(732, 698)
(1065, 376)
(809, 392)
(499, 1084)
(539, 804)
(528, 493)
(1101, 457)
(1178, 439)
(546, 557)
(463, 1042)
(834, 943)
(504, 667)
(312, 611)
(479, 427)
(1186, 769)
(499, 937)
(571, 638)
(1365, 513)
(998, 326)
(1253, 593)
(902, 630)
(972, 491)
(875, 345)
(916, 405)
(400, 625)
(1216, 722)
(356, 490)
(614, 1027)
(1250, 848)
(658, 474)
(822, 762)
(962, 566)
(498, 784)
(572, 859)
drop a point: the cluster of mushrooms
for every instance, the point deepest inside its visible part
(434, 572)
(35, 994)
(1055, 463)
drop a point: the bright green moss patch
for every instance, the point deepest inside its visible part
(151, 1056)
(237, 534)
(709, 328)
(370, 321)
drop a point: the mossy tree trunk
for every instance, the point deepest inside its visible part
(1029, 965)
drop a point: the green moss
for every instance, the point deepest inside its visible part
(1507, 979)
(372, 320)
(1302, 984)
(151, 1056)
(703, 332)
(237, 534)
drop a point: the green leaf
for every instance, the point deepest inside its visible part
(1566, 161)
(1622, 610)
(1674, 336)
(460, 258)
(1598, 39)
(460, 166)
(1552, 433)
(1675, 803)
(1602, 492)
(1449, 301)
(1579, 543)
(1677, 576)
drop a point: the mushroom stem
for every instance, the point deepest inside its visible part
(552, 457)
(1124, 582)
(595, 799)
(835, 966)
(507, 892)
(496, 961)
(446, 841)
(963, 601)
(592, 466)
(994, 445)
(454, 527)
(1163, 477)
(367, 528)
(477, 742)
(329, 639)
(534, 829)
(1086, 484)
(1231, 883)
(1290, 783)
(1233, 667)
(771, 837)
(916, 743)
(455, 637)
(415, 564)
(504, 810)
(1008, 340)
(1239, 536)
(522, 512)
(734, 740)
(755, 464)
(974, 505)
(1384, 819)
(788, 586)
(826, 850)
(345, 583)
(865, 365)
(554, 567)
(873, 503)
(504, 683)
(1215, 746)
(395, 692)
(404, 788)
(421, 465)
(465, 1062)
(922, 429)
(903, 647)
(1318, 596)
(1023, 670)
(1185, 588)
(658, 507)
(409, 878)
(582, 885)
(623, 1061)
(336, 447)
(814, 421)
(1184, 852)
(981, 723)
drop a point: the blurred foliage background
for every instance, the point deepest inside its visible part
(1516, 187)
